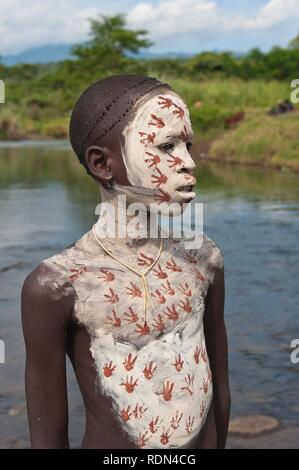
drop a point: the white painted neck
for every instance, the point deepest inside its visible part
(124, 214)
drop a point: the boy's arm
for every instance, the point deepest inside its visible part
(216, 343)
(45, 322)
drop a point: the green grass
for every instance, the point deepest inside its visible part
(232, 94)
(222, 98)
(261, 139)
(33, 112)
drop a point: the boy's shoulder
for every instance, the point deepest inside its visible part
(54, 275)
(203, 249)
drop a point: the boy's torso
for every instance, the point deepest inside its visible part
(151, 367)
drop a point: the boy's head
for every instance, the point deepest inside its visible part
(135, 131)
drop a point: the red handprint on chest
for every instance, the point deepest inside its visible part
(130, 384)
(133, 290)
(106, 276)
(112, 297)
(144, 260)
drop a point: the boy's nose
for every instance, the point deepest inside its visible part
(188, 165)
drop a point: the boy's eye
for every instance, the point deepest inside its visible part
(189, 146)
(166, 147)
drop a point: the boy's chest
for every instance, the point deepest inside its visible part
(138, 308)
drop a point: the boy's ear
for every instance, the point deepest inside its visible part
(97, 162)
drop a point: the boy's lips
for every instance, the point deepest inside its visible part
(188, 185)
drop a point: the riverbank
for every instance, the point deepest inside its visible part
(260, 141)
(230, 118)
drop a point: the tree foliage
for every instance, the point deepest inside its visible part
(110, 41)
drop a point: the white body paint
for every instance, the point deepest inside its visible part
(87, 268)
(172, 416)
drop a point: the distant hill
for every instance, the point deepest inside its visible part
(46, 54)
(41, 55)
(161, 55)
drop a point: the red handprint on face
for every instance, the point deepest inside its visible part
(167, 390)
(129, 362)
(167, 288)
(77, 272)
(108, 369)
(130, 384)
(198, 274)
(107, 276)
(159, 179)
(159, 297)
(153, 161)
(144, 260)
(131, 316)
(158, 324)
(126, 414)
(185, 305)
(113, 320)
(184, 288)
(134, 291)
(189, 424)
(179, 112)
(189, 379)
(163, 196)
(149, 370)
(112, 298)
(159, 273)
(165, 436)
(174, 161)
(184, 135)
(171, 313)
(172, 266)
(178, 364)
(143, 329)
(175, 420)
(156, 122)
(154, 425)
(165, 102)
(147, 138)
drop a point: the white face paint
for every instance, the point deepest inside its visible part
(156, 152)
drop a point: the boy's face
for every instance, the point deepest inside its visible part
(156, 152)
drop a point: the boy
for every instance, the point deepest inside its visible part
(139, 315)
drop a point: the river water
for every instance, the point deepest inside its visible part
(47, 201)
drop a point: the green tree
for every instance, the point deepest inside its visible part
(110, 41)
(294, 43)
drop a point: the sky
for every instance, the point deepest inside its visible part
(188, 26)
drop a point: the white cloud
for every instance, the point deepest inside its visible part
(31, 23)
(171, 17)
(273, 13)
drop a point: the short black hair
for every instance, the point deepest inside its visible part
(103, 105)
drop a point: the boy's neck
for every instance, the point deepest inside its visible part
(118, 224)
